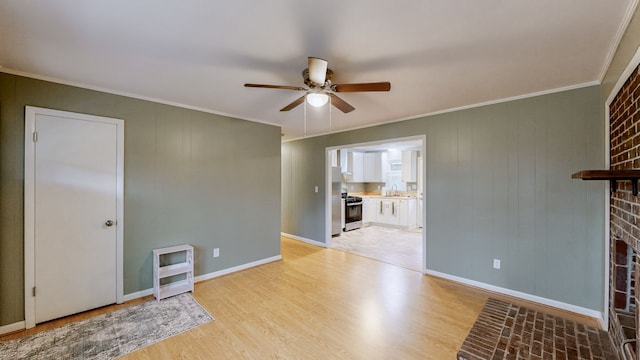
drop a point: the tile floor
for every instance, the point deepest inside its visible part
(393, 246)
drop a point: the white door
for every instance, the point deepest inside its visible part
(76, 188)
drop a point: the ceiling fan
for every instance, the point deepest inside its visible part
(318, 79)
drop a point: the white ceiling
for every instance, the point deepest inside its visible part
(437, 54)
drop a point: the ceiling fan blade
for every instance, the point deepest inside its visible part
(341, 104)
(283, 87)
(376, 86)
(317, 70)
(295, 103)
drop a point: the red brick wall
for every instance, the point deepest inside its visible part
(624, 137)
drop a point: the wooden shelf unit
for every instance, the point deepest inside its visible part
(613, 176)
(161, 272)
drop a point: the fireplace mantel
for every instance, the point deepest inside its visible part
(613, 176)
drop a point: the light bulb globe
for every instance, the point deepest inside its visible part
(317, 99)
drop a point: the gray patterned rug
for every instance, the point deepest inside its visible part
(113, 334)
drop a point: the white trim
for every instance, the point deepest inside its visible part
(210, 276)
(308, 241)
(524, 296)
(618, 38)
(29, 218)
(185, 106)
(230, 270)
(5, 329)
(633, 63)
(127, 94)
(328, 172)
(29, 201)
(631, 66)
(423, 148)
(450, 110)
(607, 223)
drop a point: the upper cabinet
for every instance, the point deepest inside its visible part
(364, 167)
(355, 164)
(372, 167)
(409, 166)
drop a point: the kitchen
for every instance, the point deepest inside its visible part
(377, 201)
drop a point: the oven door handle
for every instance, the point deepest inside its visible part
(354, 203)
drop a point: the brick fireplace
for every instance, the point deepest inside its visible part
(624, 137)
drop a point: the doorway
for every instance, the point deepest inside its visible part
(393, 210)
(74, 166)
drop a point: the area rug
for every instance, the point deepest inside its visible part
(110, 335)
(507, 331)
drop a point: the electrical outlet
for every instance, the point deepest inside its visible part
(496, 264)
(316, 188)
(216, 252)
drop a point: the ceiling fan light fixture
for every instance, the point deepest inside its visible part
(317, 99)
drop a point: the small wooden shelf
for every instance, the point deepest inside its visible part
(164, 271)
(175, 288)
(613, 176)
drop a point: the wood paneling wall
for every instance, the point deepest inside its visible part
(498, 185)
(190, 177)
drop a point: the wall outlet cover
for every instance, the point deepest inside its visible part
(496, 264)
(216, 252)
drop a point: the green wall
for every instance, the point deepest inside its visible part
(190, 177)
(498, 185)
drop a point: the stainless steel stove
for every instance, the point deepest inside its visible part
(353, 212)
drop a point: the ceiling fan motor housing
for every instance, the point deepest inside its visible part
(311, 84)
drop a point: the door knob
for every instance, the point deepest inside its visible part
(109, 223)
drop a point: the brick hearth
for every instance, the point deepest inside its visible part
(507, 331)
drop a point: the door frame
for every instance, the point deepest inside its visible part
(327, 167)
(29, 202)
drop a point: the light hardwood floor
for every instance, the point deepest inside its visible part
(323, 304)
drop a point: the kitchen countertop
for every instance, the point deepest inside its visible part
(400, 197)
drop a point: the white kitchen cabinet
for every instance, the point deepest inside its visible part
(372, 164)
(161, 291)
(387, 211)
(366, 207)
(399, 212)
(408, 217)
(419, 212)
(409, 166)
(364, 167)
(369, 206)
(355, 164)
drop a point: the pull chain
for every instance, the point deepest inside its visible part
(330, 114)
(305, 117)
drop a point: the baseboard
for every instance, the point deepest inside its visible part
(216, 274)
(5, 329)
(208, 276)
(308, 241)
(598, 315)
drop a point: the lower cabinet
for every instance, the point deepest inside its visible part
(388, 212)
(395, 212)
(368, 210)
